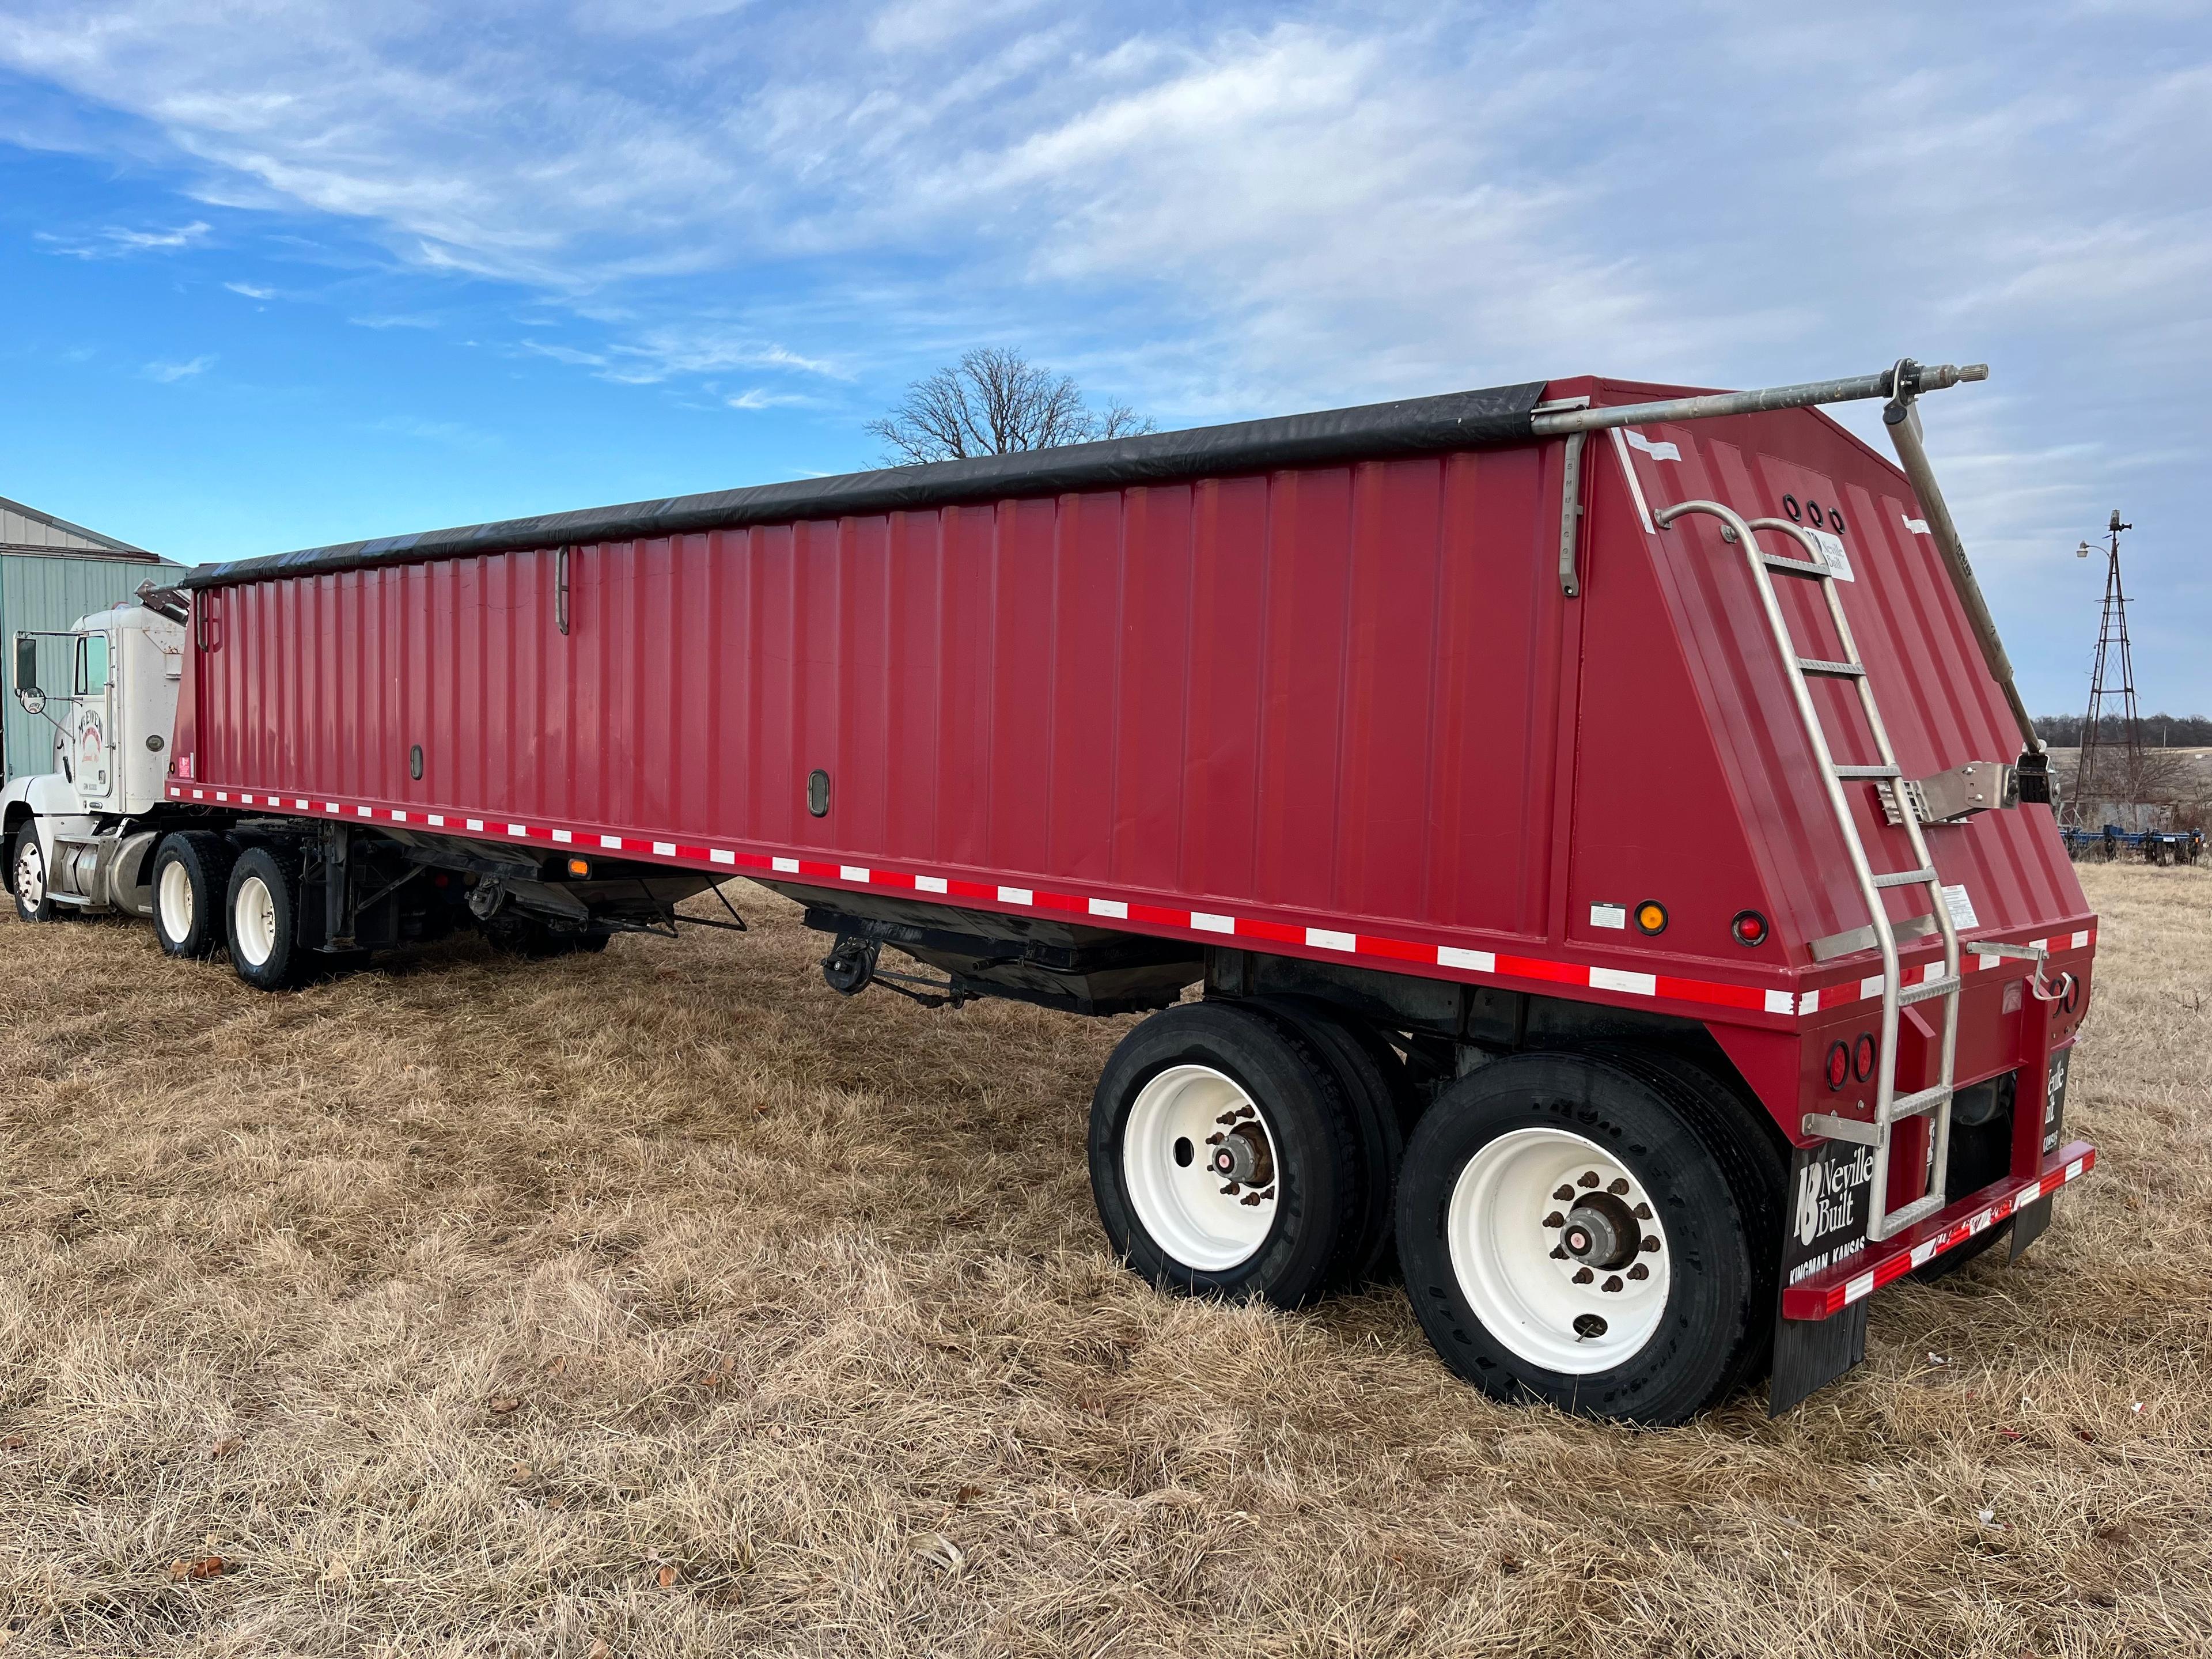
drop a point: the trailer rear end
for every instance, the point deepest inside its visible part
(1594, 820)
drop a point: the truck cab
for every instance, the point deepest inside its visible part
(80, 835)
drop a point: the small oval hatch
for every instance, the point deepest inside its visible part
(817, 793)
(415, 763)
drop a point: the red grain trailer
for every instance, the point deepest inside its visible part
(1599, 817)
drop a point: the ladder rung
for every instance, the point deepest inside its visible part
(1897, 1220)
(1796, 567)
(1839, 671)
(1867, 772)
(1905, 879)
(1926, 988)
(1904, 1106)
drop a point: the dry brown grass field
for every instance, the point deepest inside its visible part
(666, 1302)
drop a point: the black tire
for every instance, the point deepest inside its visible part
(27, 876)
(1375, 1085)
(195, 919)
(263, 914)
(1310, 1139)
(1767, 1196)
(1704, 1200)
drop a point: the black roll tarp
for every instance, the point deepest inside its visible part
(1458, 420)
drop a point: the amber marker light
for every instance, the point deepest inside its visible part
(580, 867)
(1651, 916)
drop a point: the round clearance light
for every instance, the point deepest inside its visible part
(1651, 917)
(1862, 1057)
(1749, 927)
(1839, 1066)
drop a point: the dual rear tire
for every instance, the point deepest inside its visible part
(207, 894)
(1230, 1157)
(1595, 1229)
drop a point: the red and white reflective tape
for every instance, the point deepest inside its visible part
(1374, 947)
(1831, 1292)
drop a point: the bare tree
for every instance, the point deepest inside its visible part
(995, 402)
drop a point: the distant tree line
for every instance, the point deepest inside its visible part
(2159, 731)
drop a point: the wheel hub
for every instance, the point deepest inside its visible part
(1242, 1155)
(1558, 1249)
(1200, 1166)
(1600, 1233)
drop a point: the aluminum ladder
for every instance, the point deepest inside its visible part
(1890, 1108)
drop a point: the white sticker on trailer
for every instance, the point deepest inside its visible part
(1615, 979)
(1833, 554)
(1608, 915)
(1479, 962)
(1657, 451)
(1960, 905)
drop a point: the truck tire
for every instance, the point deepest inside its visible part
(27, 876)
(1645, 1293)
(1373, 1080)
(1206, 1081)
(191, 889)
(263, 912)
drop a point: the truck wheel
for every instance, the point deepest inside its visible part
(1225, 1158)
(1375, 1085)
(27, 871)
(1587, 1232)
(265, 910)
(192, 887)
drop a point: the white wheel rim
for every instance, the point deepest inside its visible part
(31, 874)
(176, 900)
(1184, 1119)
(1509, 1230)
(253, 921)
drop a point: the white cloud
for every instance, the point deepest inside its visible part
(169, 372)
(116, 242)
(252, 291)
(1263, 207)
(761, 397)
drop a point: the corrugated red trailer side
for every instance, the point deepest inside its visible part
(1339, 693)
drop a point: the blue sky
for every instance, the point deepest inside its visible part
(283, 273)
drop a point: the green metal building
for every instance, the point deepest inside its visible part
(52, 573)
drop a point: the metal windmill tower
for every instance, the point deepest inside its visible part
(2110, 767)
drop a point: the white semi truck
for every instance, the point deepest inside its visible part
(82, 836)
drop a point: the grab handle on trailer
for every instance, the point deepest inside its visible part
(561, 591)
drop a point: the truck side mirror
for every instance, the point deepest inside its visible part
(26, 673)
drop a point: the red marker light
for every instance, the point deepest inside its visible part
(1749, 927)
(1839, 1066)
(1862, 1056)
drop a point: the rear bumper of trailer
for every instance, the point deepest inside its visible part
(1836, 1288)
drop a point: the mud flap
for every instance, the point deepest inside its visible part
(1827, 1221)
(2029, 1222)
